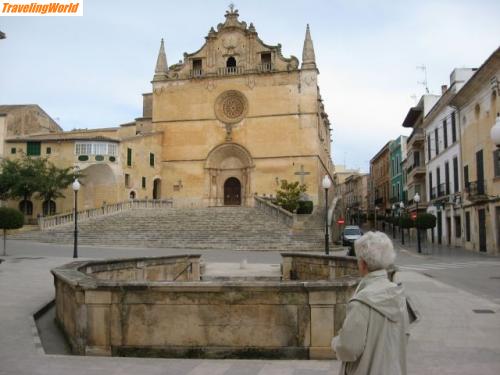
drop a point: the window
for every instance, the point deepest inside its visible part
(467, 226)
(152, 159)
(33, 148)
(496, 162)
(265, 58)
(466, 176)
(231, 62)
(430, 185)
(95, 148)
(127, 180)
(445, 134)
(144, 182)
(399, 192)
(197, 68)
(48, 151)
(458, 227)
(49, 208)
(129, 157)
(453, 128)
(13, 150)
(436, 140)
(447, 177)
(456, 188)
(26, 207)
(429, 156)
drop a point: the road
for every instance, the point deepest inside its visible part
(469, 271)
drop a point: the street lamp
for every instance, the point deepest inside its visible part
(393, 226)
(76, 187)
(495, 131)
(416, 198)
(326, 183)
(402, 206)
(376, 210)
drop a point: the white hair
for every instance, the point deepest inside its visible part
(376, 249)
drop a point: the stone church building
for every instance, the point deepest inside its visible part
(228, 122)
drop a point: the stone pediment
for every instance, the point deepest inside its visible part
(233, 49)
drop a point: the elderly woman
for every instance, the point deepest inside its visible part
(374, 335)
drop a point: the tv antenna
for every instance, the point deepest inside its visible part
(423, 68)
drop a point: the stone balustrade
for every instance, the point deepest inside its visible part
(47, 222)
(275, 211)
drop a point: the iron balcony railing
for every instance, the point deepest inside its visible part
(476, 189)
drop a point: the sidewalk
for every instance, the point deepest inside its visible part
(450, 338)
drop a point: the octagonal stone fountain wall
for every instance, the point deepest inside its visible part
(161, 307)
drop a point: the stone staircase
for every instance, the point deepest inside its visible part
(232, 228)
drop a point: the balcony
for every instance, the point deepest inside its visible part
(476, 191)
(230, 71)
(416, 138)
(434, 193)
(196, 73)
(415, 170)
(265, 67)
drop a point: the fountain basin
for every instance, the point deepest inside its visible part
(162, 307)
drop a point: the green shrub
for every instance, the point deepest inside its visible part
(406, 222)
(305, 207)
(10, 218)
(425, 221)
(288, 195)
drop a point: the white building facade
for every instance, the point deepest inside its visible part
(443, 161)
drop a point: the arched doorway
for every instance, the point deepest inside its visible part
(157, 188)
(49, 208)
(232, 192)
(224, 162)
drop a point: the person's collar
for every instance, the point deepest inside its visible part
(377, 273)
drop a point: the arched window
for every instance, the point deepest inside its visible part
(26, 207)
(49, 208)
(231, 62)
(132, 195)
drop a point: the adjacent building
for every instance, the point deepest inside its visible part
(356, 198)
(414, 163)
(443, 163)
(397, 153)
(477, 106)
(380, 180)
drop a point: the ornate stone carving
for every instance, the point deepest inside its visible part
(231, 107)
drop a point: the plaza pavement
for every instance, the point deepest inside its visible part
(450, 338)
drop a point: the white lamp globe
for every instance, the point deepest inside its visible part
(401, 205)
(76, 185)
(326, 183)
(416, 198)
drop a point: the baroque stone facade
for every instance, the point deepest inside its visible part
(228, 122)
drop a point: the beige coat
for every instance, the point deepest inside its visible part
(373, 338)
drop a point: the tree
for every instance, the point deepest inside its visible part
(53, 180)
(406, 222)
(10, 218)
(22, 178)
(289, 194)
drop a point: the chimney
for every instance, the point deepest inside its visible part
(443, 89)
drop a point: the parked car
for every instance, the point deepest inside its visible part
(350, 234)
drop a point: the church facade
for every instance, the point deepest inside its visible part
(228, 122)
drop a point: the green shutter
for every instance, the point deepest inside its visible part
(33, 148)
(129, 157)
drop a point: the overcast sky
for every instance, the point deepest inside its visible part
(90, 71)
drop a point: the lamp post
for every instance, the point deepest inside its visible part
(402, 206)
(393, 223)
(326, 183)
(376, 210)
(76, 187)
(495, 131)
(416, 198)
